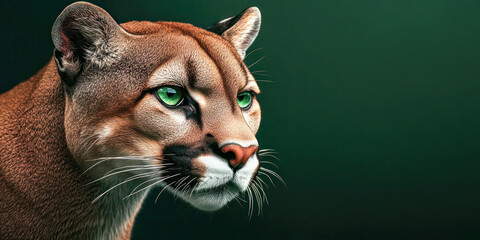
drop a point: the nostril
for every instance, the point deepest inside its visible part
(229, 155)
(237, 154)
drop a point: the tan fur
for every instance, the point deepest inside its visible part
(53, 125)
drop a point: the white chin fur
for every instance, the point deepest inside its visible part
(218, 173)
(244, 175)
(210, 201)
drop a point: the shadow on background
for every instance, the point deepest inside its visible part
(373, 110)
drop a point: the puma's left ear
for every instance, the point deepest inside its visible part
(240, 30)
(85, 35)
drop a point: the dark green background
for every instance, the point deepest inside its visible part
(373, 110)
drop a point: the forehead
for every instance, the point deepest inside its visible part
(192, 57)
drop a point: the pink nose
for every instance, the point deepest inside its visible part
(241, 154)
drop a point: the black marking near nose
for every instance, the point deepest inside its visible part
(183, 152)
(179, 158)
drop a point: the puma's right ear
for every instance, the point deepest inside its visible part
(240, 30)
(83, 35)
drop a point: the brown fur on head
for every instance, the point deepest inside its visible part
(116, 123)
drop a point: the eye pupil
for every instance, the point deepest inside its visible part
(244, 100)
(170, 93)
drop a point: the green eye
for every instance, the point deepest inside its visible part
(244, 100)
(170, 96)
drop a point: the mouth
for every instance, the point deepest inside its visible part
(207, 199)
(214, 198)
(230, 186)
(212, 188)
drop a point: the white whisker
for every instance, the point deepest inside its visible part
(271, 163)
(123, 171)
(250, 203)
(261, 181)
(253, 64)
(91, 145)
(193, 188)
(156, 199)
(253, 52)
(159, 181)
(134, 166)
(267, 177)
(142, 175)
(133, 158)
(260, 187)
(258, 198)
(266, 149)
(185, 189)
(274, 174)
(178, 185)
(270, 155)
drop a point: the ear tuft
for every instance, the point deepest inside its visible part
(85, 34)
(240, 30)
(99, 47)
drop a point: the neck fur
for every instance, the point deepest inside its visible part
(42, 190)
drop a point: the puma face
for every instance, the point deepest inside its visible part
(160, 103)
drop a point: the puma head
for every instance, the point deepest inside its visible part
(160, 103)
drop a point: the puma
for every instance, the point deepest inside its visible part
(121, 109)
